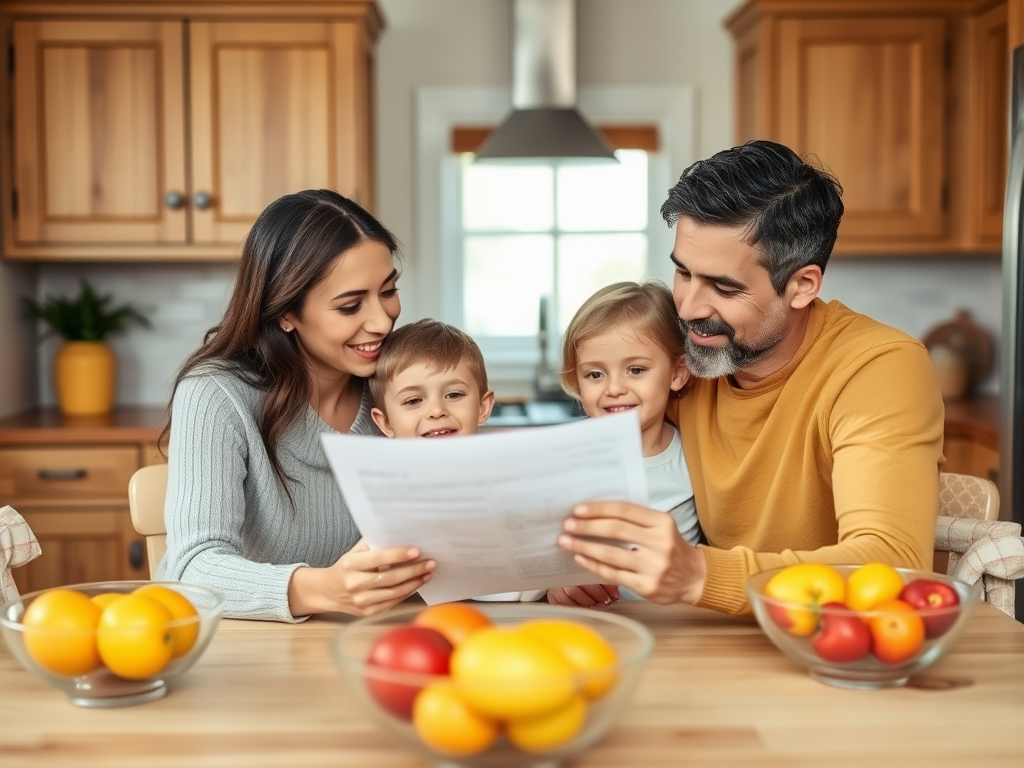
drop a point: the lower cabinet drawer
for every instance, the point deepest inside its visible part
(86, 545)
(65, 474)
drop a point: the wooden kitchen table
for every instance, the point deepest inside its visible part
(715, 692)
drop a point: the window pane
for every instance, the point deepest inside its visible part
(516, 198)
(603, 198)
(589, 262)
(504, 277)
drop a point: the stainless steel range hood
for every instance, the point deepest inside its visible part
(544, 122)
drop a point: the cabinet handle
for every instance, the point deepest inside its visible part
(993, 475)
(202, 200)
(62, 474)
(135, 555)
(174, 200)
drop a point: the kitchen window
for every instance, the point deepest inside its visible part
(547, 230)
(494, 239)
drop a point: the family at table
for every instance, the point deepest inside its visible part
(810, 432)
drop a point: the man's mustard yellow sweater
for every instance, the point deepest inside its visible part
(834, 458)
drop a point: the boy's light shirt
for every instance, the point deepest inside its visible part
(489, 509)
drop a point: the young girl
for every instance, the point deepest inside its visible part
(623, 351)
(252, 507)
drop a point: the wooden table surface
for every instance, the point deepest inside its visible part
(715, 692)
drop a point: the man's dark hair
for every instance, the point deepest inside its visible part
(791, 209)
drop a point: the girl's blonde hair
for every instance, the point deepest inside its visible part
(645, 309)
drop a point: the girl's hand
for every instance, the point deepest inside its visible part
(363, 581)
(588, 596)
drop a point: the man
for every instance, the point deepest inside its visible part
(815, 433)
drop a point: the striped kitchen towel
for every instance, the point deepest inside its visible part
(18, 545)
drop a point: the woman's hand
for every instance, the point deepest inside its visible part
(588, 596)
(654, 560)
(363, 581)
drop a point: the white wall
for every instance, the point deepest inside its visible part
(467, 42)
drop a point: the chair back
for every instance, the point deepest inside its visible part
(966, 496)
(146, 491)
(972, 544)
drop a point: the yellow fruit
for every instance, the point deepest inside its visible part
(133, 637)
(548, 731)
(60, 632)
(444, 722)
(185, 628)
(809, 584)
(871, 584)
(588, 652)
(106, 598)
(503, 672)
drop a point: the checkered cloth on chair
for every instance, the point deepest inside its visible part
(18, 545)
(992, 551)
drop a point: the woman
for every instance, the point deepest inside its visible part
(252, 508)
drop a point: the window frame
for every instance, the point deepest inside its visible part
(436, 269)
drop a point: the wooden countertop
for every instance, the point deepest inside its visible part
(715, 692)
(133, 424)
(978, 417)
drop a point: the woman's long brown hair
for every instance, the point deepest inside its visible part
(291, 248)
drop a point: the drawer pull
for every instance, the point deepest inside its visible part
(62, 474)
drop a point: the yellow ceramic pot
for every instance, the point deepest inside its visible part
(85, 376)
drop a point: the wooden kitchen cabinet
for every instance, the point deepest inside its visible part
(160, 130)
(905, 101)
(69, 480)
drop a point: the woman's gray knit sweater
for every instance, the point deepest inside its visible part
(230, 524)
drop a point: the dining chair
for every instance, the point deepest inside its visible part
(977, 545)
(146, 491)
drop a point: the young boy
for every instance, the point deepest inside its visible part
(431, 382)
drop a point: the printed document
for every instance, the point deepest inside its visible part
(488, 507)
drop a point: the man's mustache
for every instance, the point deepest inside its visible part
(708, 327)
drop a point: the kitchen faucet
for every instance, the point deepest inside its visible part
(546, 385)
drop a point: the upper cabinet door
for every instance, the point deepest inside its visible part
(276, 108)
(867, 97)
(98, 132)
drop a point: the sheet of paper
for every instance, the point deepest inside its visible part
(488, 507)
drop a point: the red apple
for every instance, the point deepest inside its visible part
(843, 636)
(421, 650)
(924, 594)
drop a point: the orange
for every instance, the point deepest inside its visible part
(588, 652)
(548, 731)
(133, 637)
(185, 628)
(60, 632)
(871, 584)
(106, 598)
(456, 621)
(897, 631)
(503, 672)
(444, 722)
(809, 584)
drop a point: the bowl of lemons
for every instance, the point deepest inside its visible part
(492, 684)
(111, 644)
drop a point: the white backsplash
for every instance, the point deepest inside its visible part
(185, 300)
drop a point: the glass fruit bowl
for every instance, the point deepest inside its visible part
(102, 655)
(877, 647)
(501, 705)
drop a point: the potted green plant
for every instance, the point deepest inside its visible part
(84, 368)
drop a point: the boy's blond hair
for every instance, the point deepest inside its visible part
(439, 345)
(645, 309)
